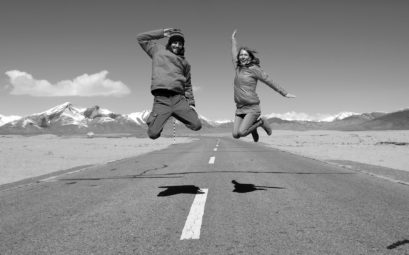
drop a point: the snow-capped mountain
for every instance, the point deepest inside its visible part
(7, 119)
(64, 114)
(214, 123)
(67, 119)
(296, 116)
(339, 116)
(139, 117)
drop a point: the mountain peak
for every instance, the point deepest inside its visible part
(7, 119)
(57, 109)
(139, 117)
(340, 116)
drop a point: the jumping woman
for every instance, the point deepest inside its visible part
(248, 72)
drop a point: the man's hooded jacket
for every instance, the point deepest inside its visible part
(169, 71)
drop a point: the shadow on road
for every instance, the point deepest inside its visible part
(181, 189)
(397, 244)
(248, 187)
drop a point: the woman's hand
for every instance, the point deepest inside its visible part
(234, 34)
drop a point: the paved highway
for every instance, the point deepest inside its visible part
(212, 196)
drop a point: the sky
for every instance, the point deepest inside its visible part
(335, 56)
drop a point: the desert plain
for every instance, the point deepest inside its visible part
(24, 157)
(389, 149)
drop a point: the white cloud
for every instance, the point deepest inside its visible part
(86, 85)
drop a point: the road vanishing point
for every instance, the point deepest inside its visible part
(215, 195)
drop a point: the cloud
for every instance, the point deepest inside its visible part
(86, 85)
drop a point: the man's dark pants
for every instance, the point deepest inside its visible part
(166, 105)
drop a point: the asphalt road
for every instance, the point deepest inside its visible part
(247, 199)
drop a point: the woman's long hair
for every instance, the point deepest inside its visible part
(253, 59)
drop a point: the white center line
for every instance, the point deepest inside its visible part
(194, 219)
(73, 172)
(49, 179)
(215, 149)
(53, 178)
(211, 160)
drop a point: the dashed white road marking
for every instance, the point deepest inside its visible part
(194, 219)
(215, 149)
(49, 179)
(211, 160)
(53, 178)
(76, 171)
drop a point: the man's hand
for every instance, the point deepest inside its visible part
(168, 31)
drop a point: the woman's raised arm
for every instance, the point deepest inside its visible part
(234, 48)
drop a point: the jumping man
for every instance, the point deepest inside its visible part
(171, 81)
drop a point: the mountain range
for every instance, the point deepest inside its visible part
(65, 119)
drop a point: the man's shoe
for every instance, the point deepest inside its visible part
(266, 126)
(255, 136)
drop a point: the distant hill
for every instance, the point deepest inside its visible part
(392, 121)
(350, 122)
(65, 119)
